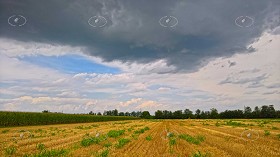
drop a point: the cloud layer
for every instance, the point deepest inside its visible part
(206, 30)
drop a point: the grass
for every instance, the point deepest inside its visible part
(274, 128)
(278, 135)
(40, 146)
(200, 154)
(194, 140)
(49, 153)
(107, 145)
(87, 141)
(122, 142)
(266, 133)
(5, 131)
(149, 138)
(115, 133)
(10, 150)
(104, 153)
(217, 124)
(234, 124)
(83, 127)
(141, 131)
(172, 141)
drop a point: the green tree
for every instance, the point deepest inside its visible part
(146, 115)
(158, 114)
(197, 113)
(188, 113)
(121, 114)
(247, 112)
(214, 113)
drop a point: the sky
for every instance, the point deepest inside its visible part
(209, 54)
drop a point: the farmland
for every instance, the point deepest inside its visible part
(33, 118)
(162, 138)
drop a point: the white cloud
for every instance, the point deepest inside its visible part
(30, 87)
(20, 48)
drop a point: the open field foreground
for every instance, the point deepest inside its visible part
(159, 138)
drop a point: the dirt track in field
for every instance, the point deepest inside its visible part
(219, 140)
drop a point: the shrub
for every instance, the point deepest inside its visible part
(5, 131)
(172, 141)
(194, 140)
(10, 150)
(149, 138)
(200, 154)
(87, 141)
(266, 132)
(122, 142)
(104, 153)
(115, 133)
(107, 145)
(40, 146)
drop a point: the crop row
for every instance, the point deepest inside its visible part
(29, 118)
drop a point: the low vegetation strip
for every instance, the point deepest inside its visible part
(30, 118)
(195, 140)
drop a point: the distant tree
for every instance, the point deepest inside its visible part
(264, 111)
(133, 113)
(90, 112)
(46, 111)
(256, 113)
(188, 113)
(127, 114)
(277, 114)
(248, 112)
(205, 114)
(272, 112)
(214, 113)
(146, 115)
(178, 114)
(121, 114)
(158, 114)
(197, 113)
(115, 112)
(99, 114)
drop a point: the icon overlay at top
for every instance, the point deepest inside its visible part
(168, 21)
(244, 21)
(97, 21)
(17, 20)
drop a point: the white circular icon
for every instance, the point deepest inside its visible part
(169, 134)
(21, 135)
(168, 21)
(97, 21)
(244, 21)
(17, 20)
(250, 135)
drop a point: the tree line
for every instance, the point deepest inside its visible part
(265, 111)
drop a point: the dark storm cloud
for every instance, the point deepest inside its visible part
(206, 29)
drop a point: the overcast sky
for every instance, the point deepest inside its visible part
(219, 53)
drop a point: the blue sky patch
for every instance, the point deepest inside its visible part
(69, 64)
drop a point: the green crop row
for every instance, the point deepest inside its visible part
(31, 118)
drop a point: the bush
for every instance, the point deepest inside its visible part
(10, 150)
(266, 132)
(149, 138)
(115, 133)
(194, 140)
(40, 146)
(200, 154)
(122, 142)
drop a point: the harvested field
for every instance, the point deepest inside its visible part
(145, 138)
